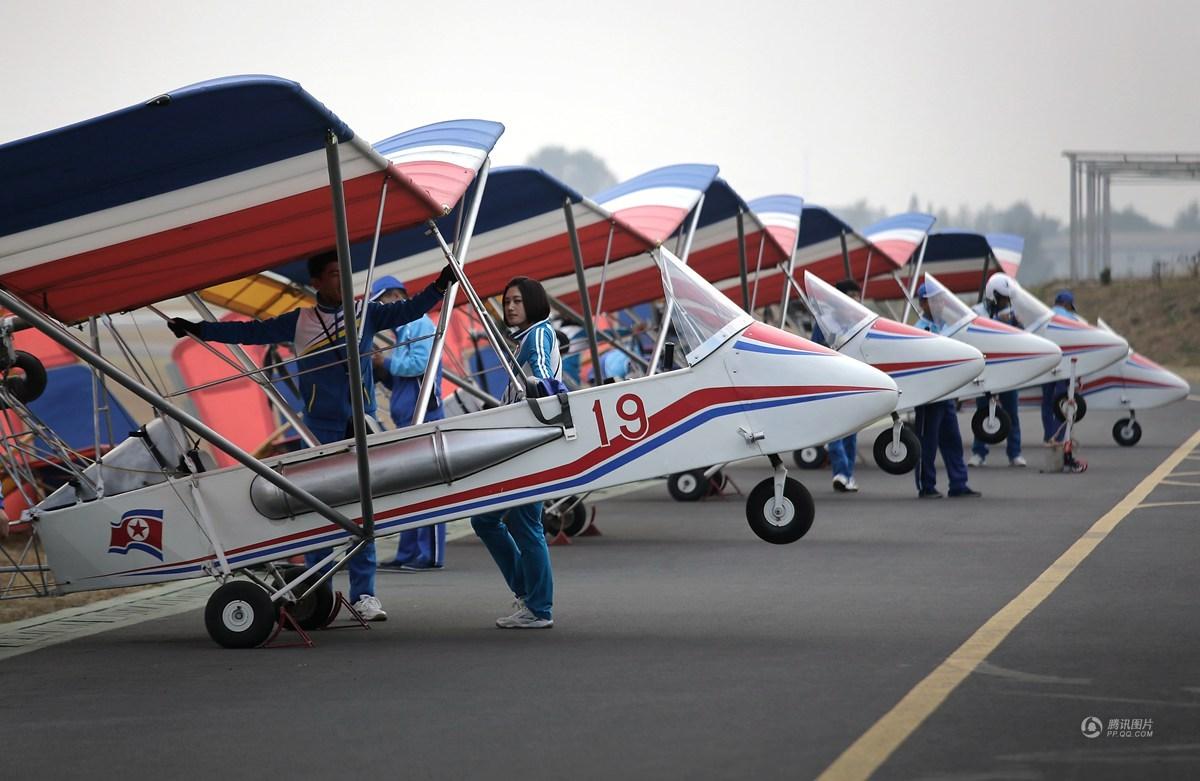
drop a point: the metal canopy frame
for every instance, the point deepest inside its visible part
(1091, 177)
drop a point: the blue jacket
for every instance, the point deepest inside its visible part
(406, 368)
(323, 377)
(538, 357)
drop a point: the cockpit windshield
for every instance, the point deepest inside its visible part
(703, 318)
(949, 313)
(839, 315)
(1030, 312)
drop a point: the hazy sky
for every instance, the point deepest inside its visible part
(959, 102)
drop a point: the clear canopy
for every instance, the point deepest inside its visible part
(702, 316)
(839, 315)
(1030, 312)
(949, 312)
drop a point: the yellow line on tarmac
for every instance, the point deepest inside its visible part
(878, 743)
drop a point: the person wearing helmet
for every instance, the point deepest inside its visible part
(997, 304)
(1052, 429)
(937, 427)
(843, 453)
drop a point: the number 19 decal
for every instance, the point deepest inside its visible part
(632, 411)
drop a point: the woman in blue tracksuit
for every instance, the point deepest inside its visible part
(323, 375)
(515, 537)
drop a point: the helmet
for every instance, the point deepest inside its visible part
(999, 284)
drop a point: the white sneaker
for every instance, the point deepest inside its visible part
(840, 483)
(851, 485)
(524, 619)
(369, 608)
(1018, 461)
(975, 460)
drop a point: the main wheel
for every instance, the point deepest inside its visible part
(1127, 432)
(239, 614)
(569, 521)
(1060, 407)
(811, 457)
(992, 430)
(900, 458)
(25, 379)
(314, 611)
(688, 486)
(794, 518)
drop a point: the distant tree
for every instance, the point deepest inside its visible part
(1188, 218)
(581, 169)
(913, 204)
(1130, 221)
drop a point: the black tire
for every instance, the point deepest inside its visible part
(903, 461)
(813, 457)
(993, 431)
(799, 512)
(315, 610)
(689, 486)
(1126, 432)
(239, 614)
(1060, 407)
(29, 382)
(570, 522)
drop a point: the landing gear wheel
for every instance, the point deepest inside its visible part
(811, 457)
(688, 486)
(991, 430)
(239, 614)
(315, 610)
(900, 458)
(1060, 407)
(28, 382)
(570, 519)
(1127, 432)
(794, 519)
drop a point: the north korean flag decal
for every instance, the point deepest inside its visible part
(138, 530)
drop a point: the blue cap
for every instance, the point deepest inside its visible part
(923, 291)
(1064, 296)
(384, 284)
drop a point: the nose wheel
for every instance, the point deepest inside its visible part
(992, 423)
(780, 509)
(897, 449)
(1127, 432)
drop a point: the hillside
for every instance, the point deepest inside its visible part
(1161, 319)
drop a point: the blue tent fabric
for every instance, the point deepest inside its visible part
(66, 409)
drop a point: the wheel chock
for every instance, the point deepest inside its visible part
(338, 604)
(286, 620)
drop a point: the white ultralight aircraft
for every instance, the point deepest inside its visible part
(242, 174)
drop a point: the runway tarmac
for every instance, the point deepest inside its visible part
(943, 639)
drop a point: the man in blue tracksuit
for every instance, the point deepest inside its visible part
(1053, 429)
(323, 376)
(423, 549)
(937, 426)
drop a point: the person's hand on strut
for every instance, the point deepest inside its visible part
(182, 328)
